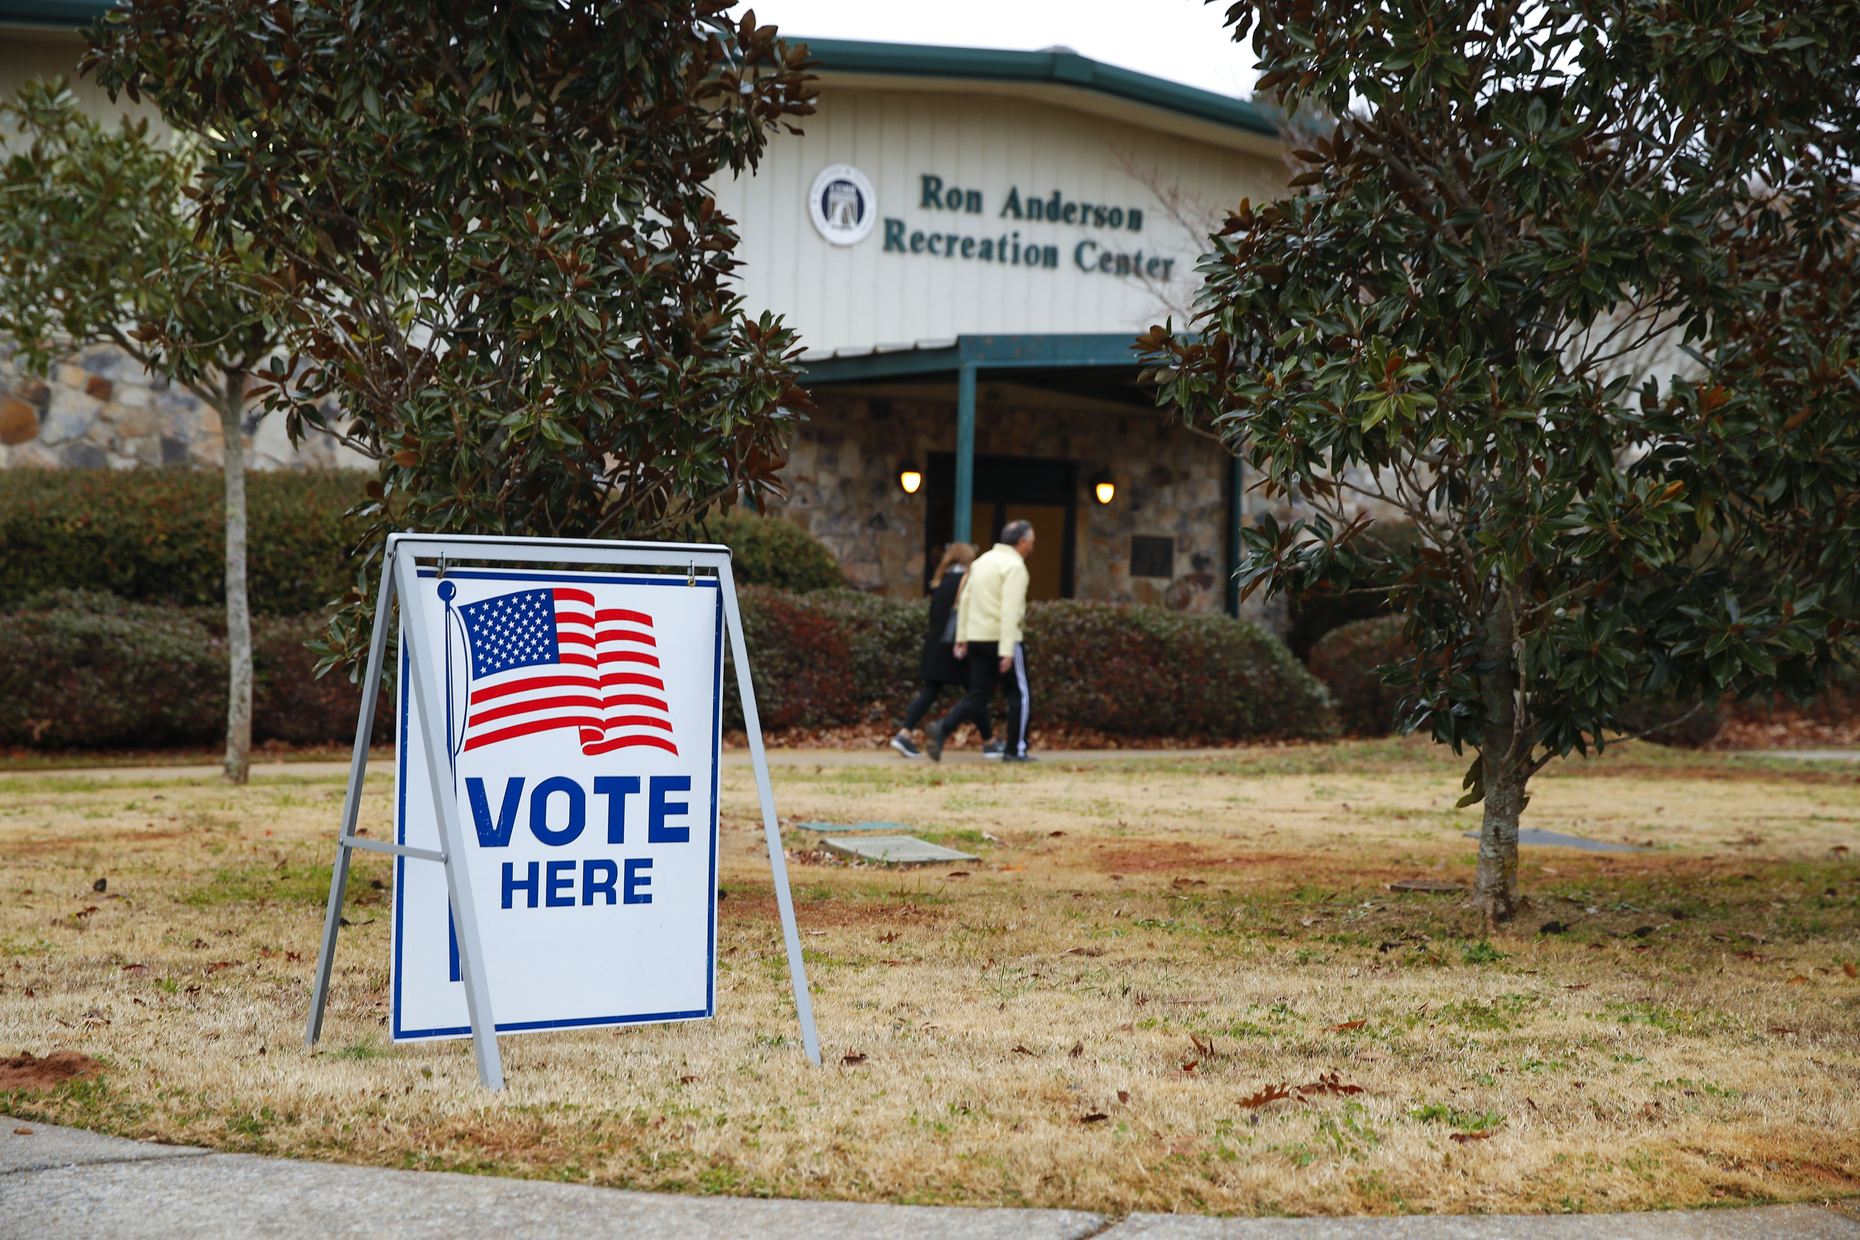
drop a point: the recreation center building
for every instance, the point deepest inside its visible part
(967, 242)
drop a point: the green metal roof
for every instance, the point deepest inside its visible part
(1060, 68)
(973, 64)
(54, 13)
(1033, 351)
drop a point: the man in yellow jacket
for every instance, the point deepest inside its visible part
(989, 613)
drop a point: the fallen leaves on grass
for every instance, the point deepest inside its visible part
(1327, 1083)
(1348, 1025)
(1462, 1138)
(1093, 1117)
(1266, 1096)
(852, 1059)
(1078, 1048)
(1021, 1050)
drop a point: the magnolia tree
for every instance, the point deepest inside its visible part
(98, 244)
(489, 235)
(1519, 206)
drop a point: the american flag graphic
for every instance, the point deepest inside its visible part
(545, 659)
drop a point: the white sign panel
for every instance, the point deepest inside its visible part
(582, 715)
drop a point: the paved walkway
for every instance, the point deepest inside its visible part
(381, 762)
(61, 1182)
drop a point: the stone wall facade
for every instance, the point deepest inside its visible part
(100, 409)
(1171, 483)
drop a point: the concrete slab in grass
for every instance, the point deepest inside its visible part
(26, 1145)
(1537, 837)
(895, 850)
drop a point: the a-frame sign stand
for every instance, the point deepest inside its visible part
(399, 580)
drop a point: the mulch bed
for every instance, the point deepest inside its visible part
(28, 1072)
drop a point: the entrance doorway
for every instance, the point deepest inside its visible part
(1009, 488)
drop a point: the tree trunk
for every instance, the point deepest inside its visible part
(1505, 757)
(238, 607)
(1495, 890)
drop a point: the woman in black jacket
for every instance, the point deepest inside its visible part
(940, 666)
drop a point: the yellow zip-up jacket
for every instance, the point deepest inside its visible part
(994, 602)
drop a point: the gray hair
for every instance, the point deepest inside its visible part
(1014, 531)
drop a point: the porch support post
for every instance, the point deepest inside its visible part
(965, 452)
(1236, 521)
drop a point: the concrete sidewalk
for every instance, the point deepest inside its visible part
(60, 1182)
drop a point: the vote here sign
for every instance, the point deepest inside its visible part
(582, 716)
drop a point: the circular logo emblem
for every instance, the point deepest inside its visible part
(842, 204)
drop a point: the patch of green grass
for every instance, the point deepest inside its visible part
(1481, 952)
(25, 947)
(367, 1048)
(1347, 1132)
(253, 884)
(251, 1123)
(1687, 1085)
(1655, 1016)
(1497, 1016)
(966, 836)
(1453, 1117)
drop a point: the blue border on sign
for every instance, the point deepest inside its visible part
(716, 763)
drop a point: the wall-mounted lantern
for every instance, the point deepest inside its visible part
(910, 478)
(1103, 488)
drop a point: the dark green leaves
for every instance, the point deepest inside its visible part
(1575, 290)
(489, 237)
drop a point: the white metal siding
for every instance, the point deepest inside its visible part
(853, 297)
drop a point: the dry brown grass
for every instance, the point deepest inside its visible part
(1149, 940)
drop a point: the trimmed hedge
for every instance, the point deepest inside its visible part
(158, 536)
(801, 663)
(1148, 671)
(1313, 615)
(1666, 721)
(1346, 659)
(769, 551)
(90, 670)
(85, 669)
(1131, 671)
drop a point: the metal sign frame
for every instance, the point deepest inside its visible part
(400, 579)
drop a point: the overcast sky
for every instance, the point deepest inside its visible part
(1181, 40)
